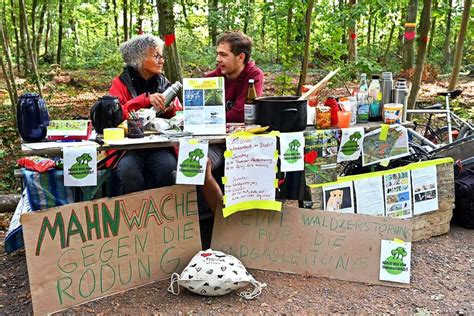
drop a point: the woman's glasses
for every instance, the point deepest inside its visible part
(159, 57)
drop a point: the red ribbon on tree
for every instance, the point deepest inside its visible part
(169, 39)
(425, 39)
(410, 35)
(353, 36)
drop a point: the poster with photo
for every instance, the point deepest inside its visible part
(369, 196)
(204, 105)
(395, 261)
(398, 195)
(389, 142)
(192, 161)
(320, 156)
(339, 197)
(291, 151)
(425, 190)
(351, 144)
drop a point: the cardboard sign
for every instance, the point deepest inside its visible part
(80, 252)
(305, 241)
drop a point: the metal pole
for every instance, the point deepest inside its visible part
(448, 117)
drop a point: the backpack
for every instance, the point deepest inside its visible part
(464, 197)
(32, 117)
(106, 113)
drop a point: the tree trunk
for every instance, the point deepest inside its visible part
(117, 37)
(246, 17)
(47, 34)
(352, 35)
(409, 44)
(212, 20)
(125, 20)
(39, 36)
(264, 22)
(130, 19)
(33, 60)
(369, 34)
(23, 40)
(446, 46)
(304, 66)
(167, 27)
(8, 71)
(433, 29)
(289, 24)
(420, 58)
(185, 13)
(141, 12)
(390, 37)
(60, 33)
(17, 39)
(34, 6)
(460, 45)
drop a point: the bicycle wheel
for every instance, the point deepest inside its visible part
(441, 136)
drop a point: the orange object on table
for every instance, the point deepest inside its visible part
(343, 119)
(323, 117)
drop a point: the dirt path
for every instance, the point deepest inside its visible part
(442, 273)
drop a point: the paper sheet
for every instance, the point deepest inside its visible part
(425, 190)
(398, 194)
(369, 196)
(80, 166)
(339, 197)
(291, 151)
(192, 161)
(320, 156)
(395, 261)
(384, 143)
(351, 144)
(249, 180)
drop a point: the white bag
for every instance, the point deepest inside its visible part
(214, 273)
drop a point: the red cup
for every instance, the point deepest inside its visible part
(343, 119)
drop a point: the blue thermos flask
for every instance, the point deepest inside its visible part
(32, 117)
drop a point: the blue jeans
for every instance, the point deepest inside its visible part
(144, 169)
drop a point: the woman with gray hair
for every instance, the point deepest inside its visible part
(141, 85)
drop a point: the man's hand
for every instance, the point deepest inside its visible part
(158, 101)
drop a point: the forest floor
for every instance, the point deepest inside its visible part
(442, 267)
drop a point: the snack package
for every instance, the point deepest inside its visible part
(36, 163)
(214, 273)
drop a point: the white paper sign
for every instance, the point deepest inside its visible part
(291, 151)
(351, 144)
(395, 261)
(369, 196)
(339, 197)
(192, 161)
(80, 166)
(204, 105)
(425, 190)
(250, 169)
(398, 194)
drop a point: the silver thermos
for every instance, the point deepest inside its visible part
(171, 92)
(400, 95)
(387, 86)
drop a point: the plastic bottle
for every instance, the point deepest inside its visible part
(375, 96)
(362, 107)
(332, 103)
(249, 107)
(363, 83)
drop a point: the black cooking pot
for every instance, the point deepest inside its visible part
(284, 114)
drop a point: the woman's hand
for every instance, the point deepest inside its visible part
(158, 101)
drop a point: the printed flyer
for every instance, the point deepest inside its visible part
(192, 161)
(395, 261)
(398, 195)
(388, 142)
(339, 197)
(204, 105)
(80, 166)
(320, 156)
(351, 144)
(425, 190)
(291, 151)
(369, 192)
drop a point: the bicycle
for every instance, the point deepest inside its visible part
(444, 134)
